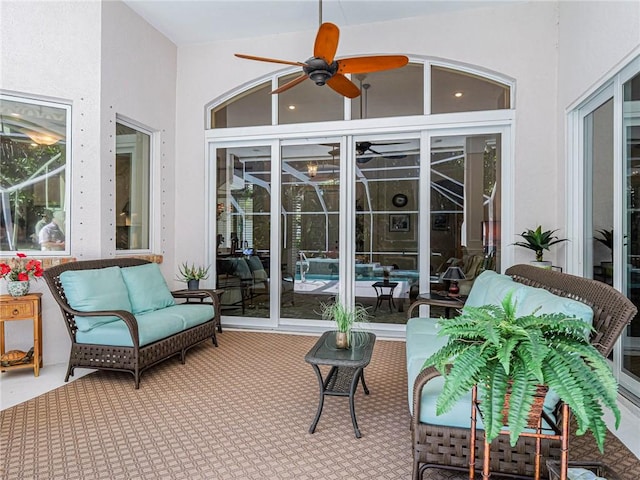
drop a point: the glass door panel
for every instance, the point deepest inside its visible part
(465, 208)
(630, 367)
(386, 226)
(243, 228)
(598, 152)
(310, 211)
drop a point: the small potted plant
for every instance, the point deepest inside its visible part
(345, 317)
(503, 354)
(18, 273)
(539, 241)
(192, 274)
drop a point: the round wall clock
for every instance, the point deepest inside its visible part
(399, 200)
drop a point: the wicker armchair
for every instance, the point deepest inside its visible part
(135, 359)
(436, 446)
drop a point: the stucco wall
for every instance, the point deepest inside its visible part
(594, 38)
(103, 59)
(517, 40)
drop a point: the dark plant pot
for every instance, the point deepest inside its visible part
(193, 285)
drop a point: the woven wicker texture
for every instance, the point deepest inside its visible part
(449, 447)
(130, 359)
(239, 411)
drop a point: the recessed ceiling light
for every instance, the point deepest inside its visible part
(457, 94)
(292, 107)
(14, 114)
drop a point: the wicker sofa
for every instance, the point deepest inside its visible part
(444, 442)
(120, 315)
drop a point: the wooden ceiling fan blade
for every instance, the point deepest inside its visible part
(291, 84)
(343, 86)
(371, 64)
(326, 44)
(271, 60)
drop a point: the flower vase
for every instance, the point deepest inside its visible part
(18, 288)
(342, 339)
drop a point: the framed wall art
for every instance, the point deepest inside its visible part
(399, 223)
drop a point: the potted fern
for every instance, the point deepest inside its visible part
(539, 241)
(502, 353)
(345, 317)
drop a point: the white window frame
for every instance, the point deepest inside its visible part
(63, 105)
(154, 183)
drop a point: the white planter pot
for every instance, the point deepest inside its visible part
(544, 264)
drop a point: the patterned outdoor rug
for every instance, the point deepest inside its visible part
(239, 411)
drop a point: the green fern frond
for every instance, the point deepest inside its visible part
(492, 393)
(460, 379)
(597, 426)
(557, 374)
(523, 389)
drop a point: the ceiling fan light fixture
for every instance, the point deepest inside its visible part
(42, 138)
(312, 169)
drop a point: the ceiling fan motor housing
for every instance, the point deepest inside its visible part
(319, 70)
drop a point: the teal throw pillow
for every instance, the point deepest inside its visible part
(95, 290)
(147, 288)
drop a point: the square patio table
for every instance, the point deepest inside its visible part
(347, 369)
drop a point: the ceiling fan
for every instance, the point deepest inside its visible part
(323, 69)
(364, 152)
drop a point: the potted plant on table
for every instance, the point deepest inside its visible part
(503, 354)
(539, 241)
(18, 273)
(192, 274)
(345, 317)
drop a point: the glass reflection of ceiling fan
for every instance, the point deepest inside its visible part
(365, 152)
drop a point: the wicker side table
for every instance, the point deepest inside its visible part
(347, 369)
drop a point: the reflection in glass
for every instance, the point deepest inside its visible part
(33, 161)
(386, 228)
(465, 207)
(631, 158)
(308, 102)
(390, 93)
(243, 230)
(133, 178)
(458, 91)
(598, 151)
(310, 228)
(251, 107)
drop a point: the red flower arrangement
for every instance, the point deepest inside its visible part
(21, 269)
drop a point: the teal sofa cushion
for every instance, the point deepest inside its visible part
(95, 290)
(147, 288)
(490, 288)
(240, 268)
(191, 314)
(152, 326)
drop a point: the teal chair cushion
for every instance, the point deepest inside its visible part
(147, 288)
(95, 290)
(240, 268)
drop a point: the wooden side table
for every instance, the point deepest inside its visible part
(27, 307)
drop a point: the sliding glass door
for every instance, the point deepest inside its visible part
(307, 221)
(630, 343)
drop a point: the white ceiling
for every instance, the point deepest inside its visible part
(201, 21)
